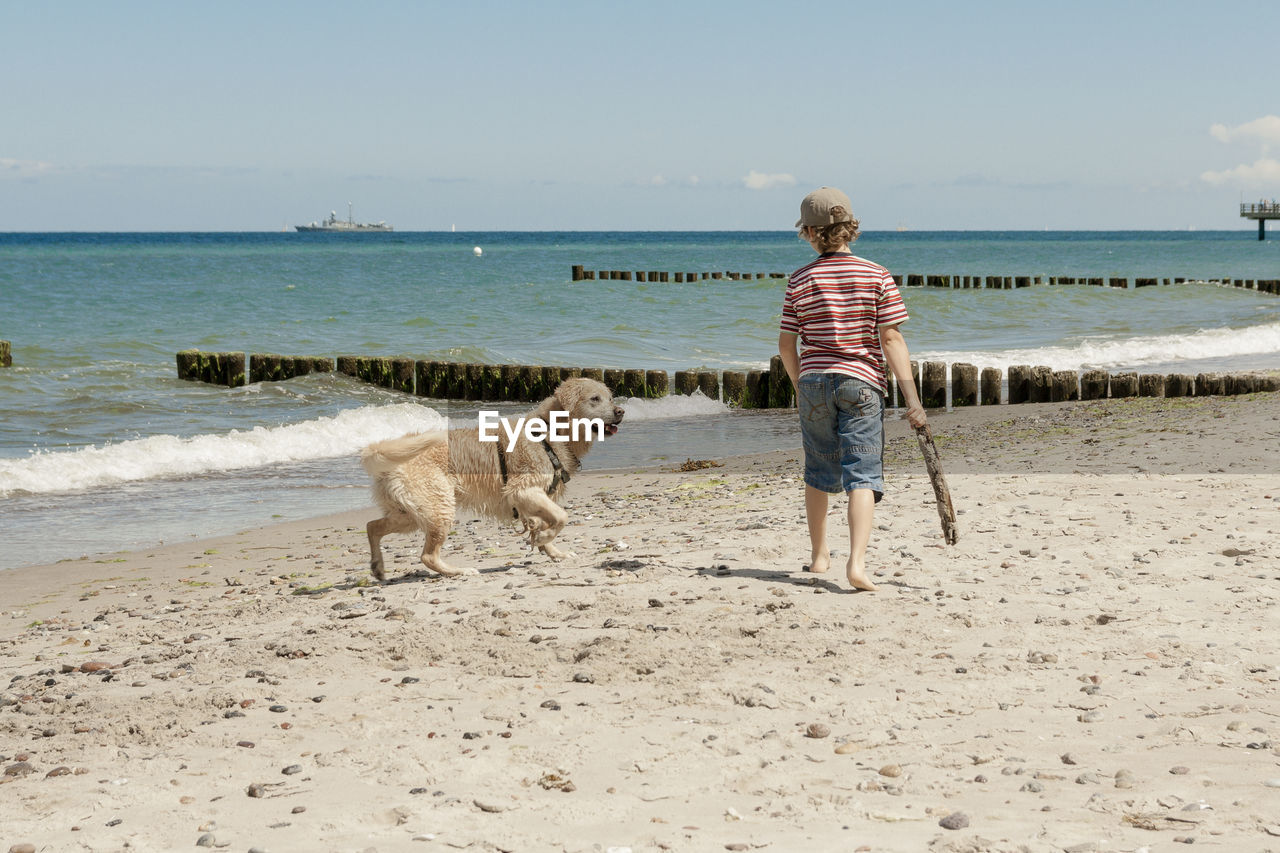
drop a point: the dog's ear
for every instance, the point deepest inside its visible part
(568, 394)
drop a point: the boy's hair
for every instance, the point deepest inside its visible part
(831, 237)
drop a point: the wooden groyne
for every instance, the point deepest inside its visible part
(952, 282)
(6, 354)
(940, 385)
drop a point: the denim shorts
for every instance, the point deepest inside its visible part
(842, 424)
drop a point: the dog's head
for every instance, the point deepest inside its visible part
(588, 399)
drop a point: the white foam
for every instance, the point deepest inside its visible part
(169, 456)
(1128, 352)
(674, 406)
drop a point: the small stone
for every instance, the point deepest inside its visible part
(817, 730)
(980, 779)
(550, 705)
(1089, 778)
(94, 666)
(279, 709)
(1124, 779)
(1068, 758)
(206, 840)
(58, 771)
(1032, 787)
(292, 769)
(1270, 783)
(22, 768)
(846, 748)
(892, 771)
(247, 744)
(1090, 717)
(298, 810)
(23, 848)
(584, 678)
(1180, 770)
(955, 820)
(257, 791)
(410, 679)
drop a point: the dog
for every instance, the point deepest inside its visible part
(419, 479)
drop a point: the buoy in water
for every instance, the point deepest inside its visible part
(478, 251)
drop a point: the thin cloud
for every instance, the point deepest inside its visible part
(23, 169)
(1265, 129)
(1262, 171)
(760, 181)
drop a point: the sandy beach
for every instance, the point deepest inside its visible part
(1095, 666)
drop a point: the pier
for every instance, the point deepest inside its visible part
(1262, 211)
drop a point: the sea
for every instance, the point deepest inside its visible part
(104, 449)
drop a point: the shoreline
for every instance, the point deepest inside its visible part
(1094, 659)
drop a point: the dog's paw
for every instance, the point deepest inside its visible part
(555, 553)
(378, 572)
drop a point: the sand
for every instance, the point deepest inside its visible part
(1094, 666)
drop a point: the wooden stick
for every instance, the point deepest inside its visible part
(946, 512)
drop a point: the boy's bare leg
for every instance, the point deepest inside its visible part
(862, 508)
(815, 513)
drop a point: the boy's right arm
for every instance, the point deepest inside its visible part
(790, 356)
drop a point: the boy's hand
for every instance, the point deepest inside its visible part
(916, 416)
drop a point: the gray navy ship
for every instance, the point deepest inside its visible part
(333, 223)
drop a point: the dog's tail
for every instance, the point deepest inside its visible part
(382, 456)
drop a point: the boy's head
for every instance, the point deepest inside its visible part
(826, 220)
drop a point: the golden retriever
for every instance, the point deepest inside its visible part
(419, 479)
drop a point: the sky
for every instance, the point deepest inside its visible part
(650, 115)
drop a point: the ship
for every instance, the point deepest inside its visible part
(333, 223)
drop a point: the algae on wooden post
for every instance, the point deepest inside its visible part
(735, 388)
(686, 381)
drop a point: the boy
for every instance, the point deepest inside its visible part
(845, 311)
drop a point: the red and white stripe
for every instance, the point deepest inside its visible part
(837, 304)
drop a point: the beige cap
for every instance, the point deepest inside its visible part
(825, 206)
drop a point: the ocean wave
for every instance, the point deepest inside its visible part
(1131, 352)
(169, 456)
(165, 457)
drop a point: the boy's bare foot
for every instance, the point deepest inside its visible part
(858, 579)
(818, 564)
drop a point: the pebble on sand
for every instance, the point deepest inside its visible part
(955, 820)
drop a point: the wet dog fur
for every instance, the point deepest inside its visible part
(419, 480)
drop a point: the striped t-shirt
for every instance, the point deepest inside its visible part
(837, 305)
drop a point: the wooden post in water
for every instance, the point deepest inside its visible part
(632, 383)
(1093, 385)
(6, 354)
(709, 384)
(1041, 384)
(1151, 385)
(735, 388)
(964, 384)
(990, 386)
(1019, 383)
(686, 382)
(781, 394)
(933, 385)
(1124, 385)
(1066, 386)
(655, 384)
(757, 393)
(1178, 385)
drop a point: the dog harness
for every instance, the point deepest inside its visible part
(559, 476)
